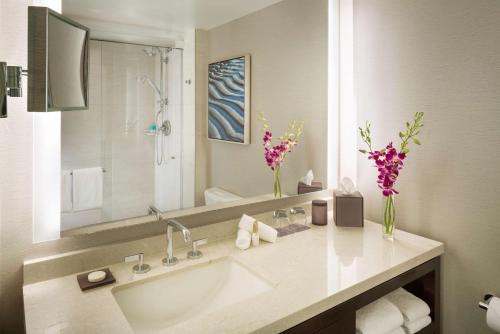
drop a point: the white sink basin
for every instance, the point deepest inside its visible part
(159, 302)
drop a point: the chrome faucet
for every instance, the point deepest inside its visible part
(154, 210)
(171, 260)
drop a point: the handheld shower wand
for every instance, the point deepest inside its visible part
(145, 79)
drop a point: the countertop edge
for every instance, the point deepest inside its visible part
(344, 295)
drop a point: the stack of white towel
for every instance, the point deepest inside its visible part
(251, 231)
(400, 312)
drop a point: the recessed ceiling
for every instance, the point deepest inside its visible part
(174, 15)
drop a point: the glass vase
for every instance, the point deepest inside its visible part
(389, 218)
(277, 182)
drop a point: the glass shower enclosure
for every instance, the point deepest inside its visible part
(133, 130)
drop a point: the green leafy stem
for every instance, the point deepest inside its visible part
(409, 135)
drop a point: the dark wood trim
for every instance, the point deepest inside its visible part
(423, 281)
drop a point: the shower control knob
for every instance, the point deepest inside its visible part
(172, 157)
(166, 128)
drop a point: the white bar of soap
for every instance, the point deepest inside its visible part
(96, 276)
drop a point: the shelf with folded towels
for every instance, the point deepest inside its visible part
(399, 312)
(419, 285)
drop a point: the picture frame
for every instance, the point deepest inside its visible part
(229, 100)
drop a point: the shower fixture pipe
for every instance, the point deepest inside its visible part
(161, 119)
(146, 79)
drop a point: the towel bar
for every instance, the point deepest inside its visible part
(103, 170)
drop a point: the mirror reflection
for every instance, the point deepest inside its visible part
(231, 108)
(67, 68)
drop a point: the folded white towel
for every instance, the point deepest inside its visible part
(267, 233)
(87, 188)
(243, 239)
(398, 330)
(417, 325)
(66, 191)
(246, 223)
(379, 317)
(411, 307)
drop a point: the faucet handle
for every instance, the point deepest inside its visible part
(141, 267)
(297, 210)
(277, 214)
(195, 253)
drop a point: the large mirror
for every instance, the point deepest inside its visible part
(180, 100)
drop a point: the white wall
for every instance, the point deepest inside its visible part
(441, 57)
(46, 165)
(16, 173)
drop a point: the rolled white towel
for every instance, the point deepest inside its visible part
(417, 325)
(243, 239)
(246, 223)
(267, 233)
(379, 317)
(411, 307)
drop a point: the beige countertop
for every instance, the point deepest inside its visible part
(312, 271)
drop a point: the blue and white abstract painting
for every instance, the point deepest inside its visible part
(227, 117)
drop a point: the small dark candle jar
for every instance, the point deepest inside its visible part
(319, 212)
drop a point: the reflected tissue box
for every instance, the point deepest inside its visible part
(348, 209)
(303, 188)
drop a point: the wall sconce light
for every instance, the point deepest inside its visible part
(10, 85)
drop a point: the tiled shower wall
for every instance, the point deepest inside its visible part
(111, 133)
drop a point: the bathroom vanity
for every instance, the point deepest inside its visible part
(307, 282)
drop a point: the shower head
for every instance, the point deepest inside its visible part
(145, 79)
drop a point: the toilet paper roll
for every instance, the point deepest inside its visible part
(493, 314)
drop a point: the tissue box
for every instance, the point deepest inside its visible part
(303, 188)
(348, 209)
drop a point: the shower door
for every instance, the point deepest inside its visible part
(121, 132)
(133, 116)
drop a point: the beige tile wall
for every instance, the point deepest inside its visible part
(289, 48)
(202, 149)
(441, 57)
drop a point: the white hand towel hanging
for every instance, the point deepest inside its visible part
(87, 188)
